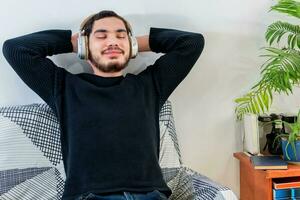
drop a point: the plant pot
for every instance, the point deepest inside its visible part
(293, 158)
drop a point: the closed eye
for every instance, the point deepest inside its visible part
(100, 36)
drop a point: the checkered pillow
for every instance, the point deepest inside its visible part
(188, 184)
(169, 155)
(31, 164)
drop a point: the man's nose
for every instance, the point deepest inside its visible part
(112, 41)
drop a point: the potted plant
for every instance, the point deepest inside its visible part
(290, 142)
(281, 71)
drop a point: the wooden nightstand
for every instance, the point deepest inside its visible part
(257, 184)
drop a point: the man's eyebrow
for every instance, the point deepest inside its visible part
(105, 31)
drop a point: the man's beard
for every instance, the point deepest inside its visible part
(110, 67)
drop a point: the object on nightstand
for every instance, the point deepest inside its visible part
(295, 193)
(268, 162)
(282, 194)
(285, 183)
(251, 134)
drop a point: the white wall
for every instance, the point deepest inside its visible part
(203, 103)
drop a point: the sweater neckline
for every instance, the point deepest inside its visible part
(100, 80)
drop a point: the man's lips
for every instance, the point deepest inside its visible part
(112, 52)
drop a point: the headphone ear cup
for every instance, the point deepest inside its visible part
(82, 44)
(134, 46)
(86, 47)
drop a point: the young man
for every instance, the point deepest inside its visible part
(109, 122)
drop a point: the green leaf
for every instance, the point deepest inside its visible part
(289, 7)
(241, 100)
(278, 29)
(261, 103)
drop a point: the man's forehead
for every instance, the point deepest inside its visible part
(109, 24)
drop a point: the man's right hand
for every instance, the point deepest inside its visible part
(74, 42)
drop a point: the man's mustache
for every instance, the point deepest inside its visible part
(113, 49)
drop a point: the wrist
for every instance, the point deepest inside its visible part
(74, 42)
(143, 43)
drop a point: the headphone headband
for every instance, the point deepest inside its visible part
(83, 23)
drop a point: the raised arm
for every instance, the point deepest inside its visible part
(181, 50)
(27, 56)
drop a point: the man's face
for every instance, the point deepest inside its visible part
(109, 45)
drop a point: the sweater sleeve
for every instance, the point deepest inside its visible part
(27, 56)
(181, 50)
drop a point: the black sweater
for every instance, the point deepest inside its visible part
(109, 126)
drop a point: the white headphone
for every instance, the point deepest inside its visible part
(82, 41)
